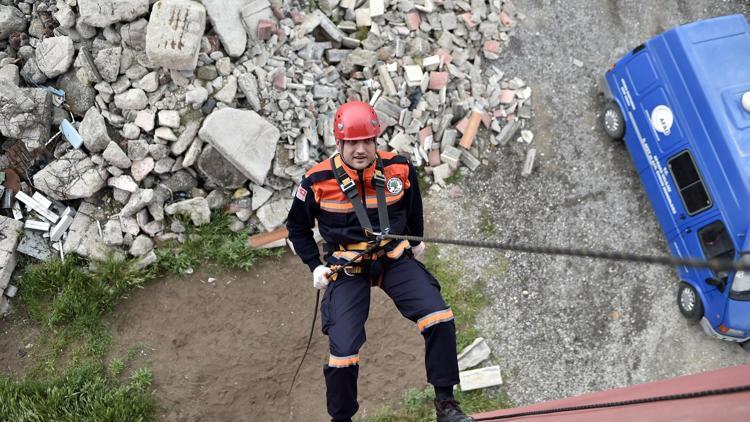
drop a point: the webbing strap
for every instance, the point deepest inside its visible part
(378, 180)
(349, 188)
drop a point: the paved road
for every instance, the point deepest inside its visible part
(562, 327)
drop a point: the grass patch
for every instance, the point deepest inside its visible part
(362, 33)
(465, 301)
(213, 244)
(417, 405)
(486, 226)
(454, 178)
(86, 392)
(69, 299)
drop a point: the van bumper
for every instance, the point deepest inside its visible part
(713, 333)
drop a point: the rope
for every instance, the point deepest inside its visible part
(715, 264)
(683, 396)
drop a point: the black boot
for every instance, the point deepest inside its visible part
(448, 411)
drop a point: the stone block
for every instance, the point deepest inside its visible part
(174, 32)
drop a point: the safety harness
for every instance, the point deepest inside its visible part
(349, 187)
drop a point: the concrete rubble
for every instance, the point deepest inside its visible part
(188, 107)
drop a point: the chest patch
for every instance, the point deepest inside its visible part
(395, 185)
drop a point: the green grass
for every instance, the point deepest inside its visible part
(465, 301)
(212, 244)
(68, 299)
(85, 392)
(417, 405)
(486, 225)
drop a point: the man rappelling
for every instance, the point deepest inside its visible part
(356, 196)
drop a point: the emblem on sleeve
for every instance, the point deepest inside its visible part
(395, 185)
(301, 193)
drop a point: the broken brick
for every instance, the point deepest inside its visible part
(505, 19)
(492, 46)
(266, 29)
(468, 20)
(413, 20)
(434, 157)
(445, 56)
(461, 126)
(438, 80)
(507, 96)
(279, 80)
(425, 136)
(297, 17)
(486, 119)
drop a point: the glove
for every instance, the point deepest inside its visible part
(320, 277)
(418, 250)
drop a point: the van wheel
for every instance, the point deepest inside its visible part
(746, 346)
(612, 121)
(689, 303)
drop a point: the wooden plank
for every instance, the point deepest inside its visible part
(262, 239)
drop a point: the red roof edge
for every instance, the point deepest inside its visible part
(729, 407)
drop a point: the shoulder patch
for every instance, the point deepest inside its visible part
(301, 193)
(395, 185)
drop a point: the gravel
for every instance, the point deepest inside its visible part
(557, 326)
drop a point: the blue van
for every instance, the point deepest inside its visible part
(681, 104)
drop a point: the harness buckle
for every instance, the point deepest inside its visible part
(346, 271)
(378, 178)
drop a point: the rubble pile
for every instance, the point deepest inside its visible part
(146, 109)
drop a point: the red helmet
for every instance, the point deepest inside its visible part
(355, 121)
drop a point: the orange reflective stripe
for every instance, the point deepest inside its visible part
(434, 318)
(342, 362)
(399, 250)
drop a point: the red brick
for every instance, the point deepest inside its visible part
(279, 80)
(511, 117)
(413, 20)
(444, 56)
(434, 157)
(438, 80)
(266, 29)
(486, 119)
(492, 46)
(297, 17)
(461, 126)
(467, 19)
(507, 96)
(505, 19)
(425, 134)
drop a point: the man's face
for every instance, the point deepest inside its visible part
(358, 154)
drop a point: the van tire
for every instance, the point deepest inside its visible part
(745, 346)
(612, 121)
(689, 303)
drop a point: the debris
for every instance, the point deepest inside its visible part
(264, 239)
(471, 128)
(480, 378)
(528, 164)
(473, 354)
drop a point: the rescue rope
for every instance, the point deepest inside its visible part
(715, 264)
(682, 396)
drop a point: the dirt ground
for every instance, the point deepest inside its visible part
(227, 350)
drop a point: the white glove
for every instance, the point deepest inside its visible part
(320, 276)
(418, 250)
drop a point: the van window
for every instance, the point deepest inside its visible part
(689, 183)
